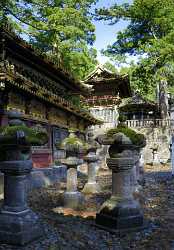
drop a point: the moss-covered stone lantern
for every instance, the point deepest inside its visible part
(18, 223)
(92, 160)
(73, 147)
(121, 211)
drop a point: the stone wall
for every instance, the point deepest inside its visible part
(157, 139)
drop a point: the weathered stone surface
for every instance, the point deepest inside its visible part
(172, 154)
(18, 224)
(72, 198)
(156, 159)
(20, 228)
(91, 186)
(121, 211)
(71, 180)
(158, 138)
(72, 161)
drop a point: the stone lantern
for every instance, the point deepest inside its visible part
(121, 212)
(156, 160)
(140, 169)
(73, 147)
(18, 223)
(92, 159)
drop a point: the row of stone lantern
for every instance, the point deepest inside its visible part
(73, 147)
(19, 225)
(122, 210)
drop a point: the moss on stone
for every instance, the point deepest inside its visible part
(35, 138)
(136, 138)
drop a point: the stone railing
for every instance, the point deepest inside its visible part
(105, 126)
(147, 123)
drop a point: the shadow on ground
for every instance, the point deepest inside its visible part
(70, 231)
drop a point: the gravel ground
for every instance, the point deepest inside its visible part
(66, 229)
(159, 209)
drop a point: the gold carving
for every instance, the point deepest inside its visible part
(57, 117)
(16, 102)
(73, 123)
(81, 125)
(38, 109)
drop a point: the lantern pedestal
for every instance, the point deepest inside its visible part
(18, 223)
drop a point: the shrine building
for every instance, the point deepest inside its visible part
(109, 89)
(139, 112)
(31, 84)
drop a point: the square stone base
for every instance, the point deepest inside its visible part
(91, 188)
(119, 224)
(74, 200)
(19, 228)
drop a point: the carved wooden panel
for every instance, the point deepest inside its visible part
(37, 109)
(73, 123)
(36, 77)
(81, 125)
(16, 102)
(57, 117)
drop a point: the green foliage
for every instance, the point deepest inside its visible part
(62, 29)
(122, 118)
(110, 67)
(137, 139)
(35, 138)
(149, 36)
(73, 141)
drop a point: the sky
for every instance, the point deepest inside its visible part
(106, 34)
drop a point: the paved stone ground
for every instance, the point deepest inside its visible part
(75, 230)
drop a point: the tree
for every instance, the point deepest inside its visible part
(63, 29)
(108, 65)
(149, 35)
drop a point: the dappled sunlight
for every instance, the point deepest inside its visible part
(70, 211)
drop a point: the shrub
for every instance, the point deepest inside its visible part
(122, 118)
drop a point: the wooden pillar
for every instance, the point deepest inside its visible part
(3, 106)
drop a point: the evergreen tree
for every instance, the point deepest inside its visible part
(63, 29)
(108, 65)
(149, 35)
